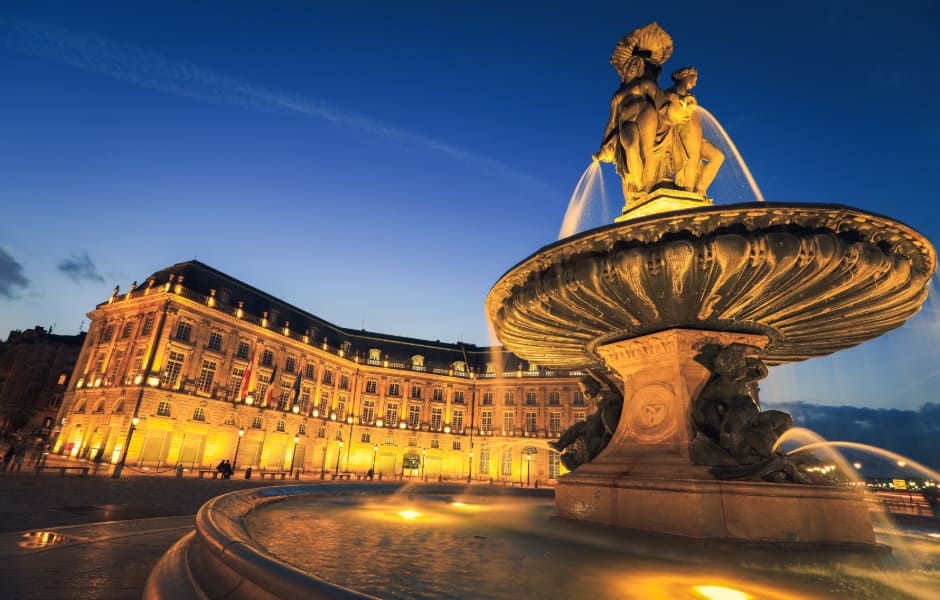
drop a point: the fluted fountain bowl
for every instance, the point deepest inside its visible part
(812, 278)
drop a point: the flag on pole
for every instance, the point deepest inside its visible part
(272, 385)
(246, 379)
(295, 392)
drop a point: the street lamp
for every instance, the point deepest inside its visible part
(528, 468)
(424, 458)
(350, 419)
(241, 433)
(127, 446)
(293, 456)
(339, 452)
(375, 449)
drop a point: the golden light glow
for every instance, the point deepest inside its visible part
(409, 514)
(719, 592)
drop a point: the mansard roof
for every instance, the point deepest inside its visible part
(201, 278)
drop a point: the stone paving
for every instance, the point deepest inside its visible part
(111, 531)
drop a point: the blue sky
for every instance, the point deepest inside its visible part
(382, 164)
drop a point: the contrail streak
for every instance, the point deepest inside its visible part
(150, 70)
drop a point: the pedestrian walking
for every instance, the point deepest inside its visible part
(19, 458)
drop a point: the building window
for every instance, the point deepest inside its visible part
(391, 414)
(458, 397)
(509, 421)
(371, 386)
(267, 358)
(116, 363)
(368, 411)
(484, 468)
(460, 367)
(505, 463)
(578, 398)
(137, 365)
(171, 373)
(327, 377)
(554, 398)
(128, 330)
(486, 421)
(215, 341)
(346, 347)
(183, 331)
(304, 398)
(283, 397)
(55, 401)
(256, 423)
(321, 432)
(279, 426)
(533, 369)
(554, 458)
(341, 408)
(417, 363)
(242, 351)
(148, 326)
(261, 388)
(414, 415)
(163, 409)
(437, 418)
(438, 394)
(456, 444)
(457, 424)
(206, 376)
(99, 408)
(531, 419)
(344, 382)
(394, 389)
(389, 441)
(199, 414)
(289, 365)
(487, 398)
(375, 356)
(416, 391)
(509, 399)
(107, 334)
(325, 404)
(554, 422)
(579, 416)
(309, 372)
(366, 437)
(435, 443)
(235, 383)
(530, 399)
(302, 429)
(119, 407)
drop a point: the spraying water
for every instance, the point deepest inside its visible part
(589, 205)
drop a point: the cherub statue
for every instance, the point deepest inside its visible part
(733, 435)
(583, 441)
(654, 138)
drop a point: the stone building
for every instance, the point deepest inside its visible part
(211, 368)
(34, 369)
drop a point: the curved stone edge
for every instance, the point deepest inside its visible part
(220, 560)
(725, 511)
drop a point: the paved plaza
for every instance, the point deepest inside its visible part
(71, 537)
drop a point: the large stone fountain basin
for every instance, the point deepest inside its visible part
(811, 278)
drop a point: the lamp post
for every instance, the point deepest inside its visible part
(127, 446)
(350, 419)
(424, 458)
(375, 449)
(293, 455)
(528, 468)
(241, 433)
(339, 452)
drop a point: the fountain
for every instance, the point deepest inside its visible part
(687, 302)
(675, 311)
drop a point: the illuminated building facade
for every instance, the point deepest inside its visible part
(210, 368)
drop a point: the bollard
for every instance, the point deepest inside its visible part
(179, 471)
(248, 473)
(297, 475)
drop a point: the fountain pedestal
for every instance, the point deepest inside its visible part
(645, 478)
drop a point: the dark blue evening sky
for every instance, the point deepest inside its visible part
(381, 164)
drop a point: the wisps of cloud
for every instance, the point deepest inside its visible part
(151, 70)
(12, 276)
(79, 267)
